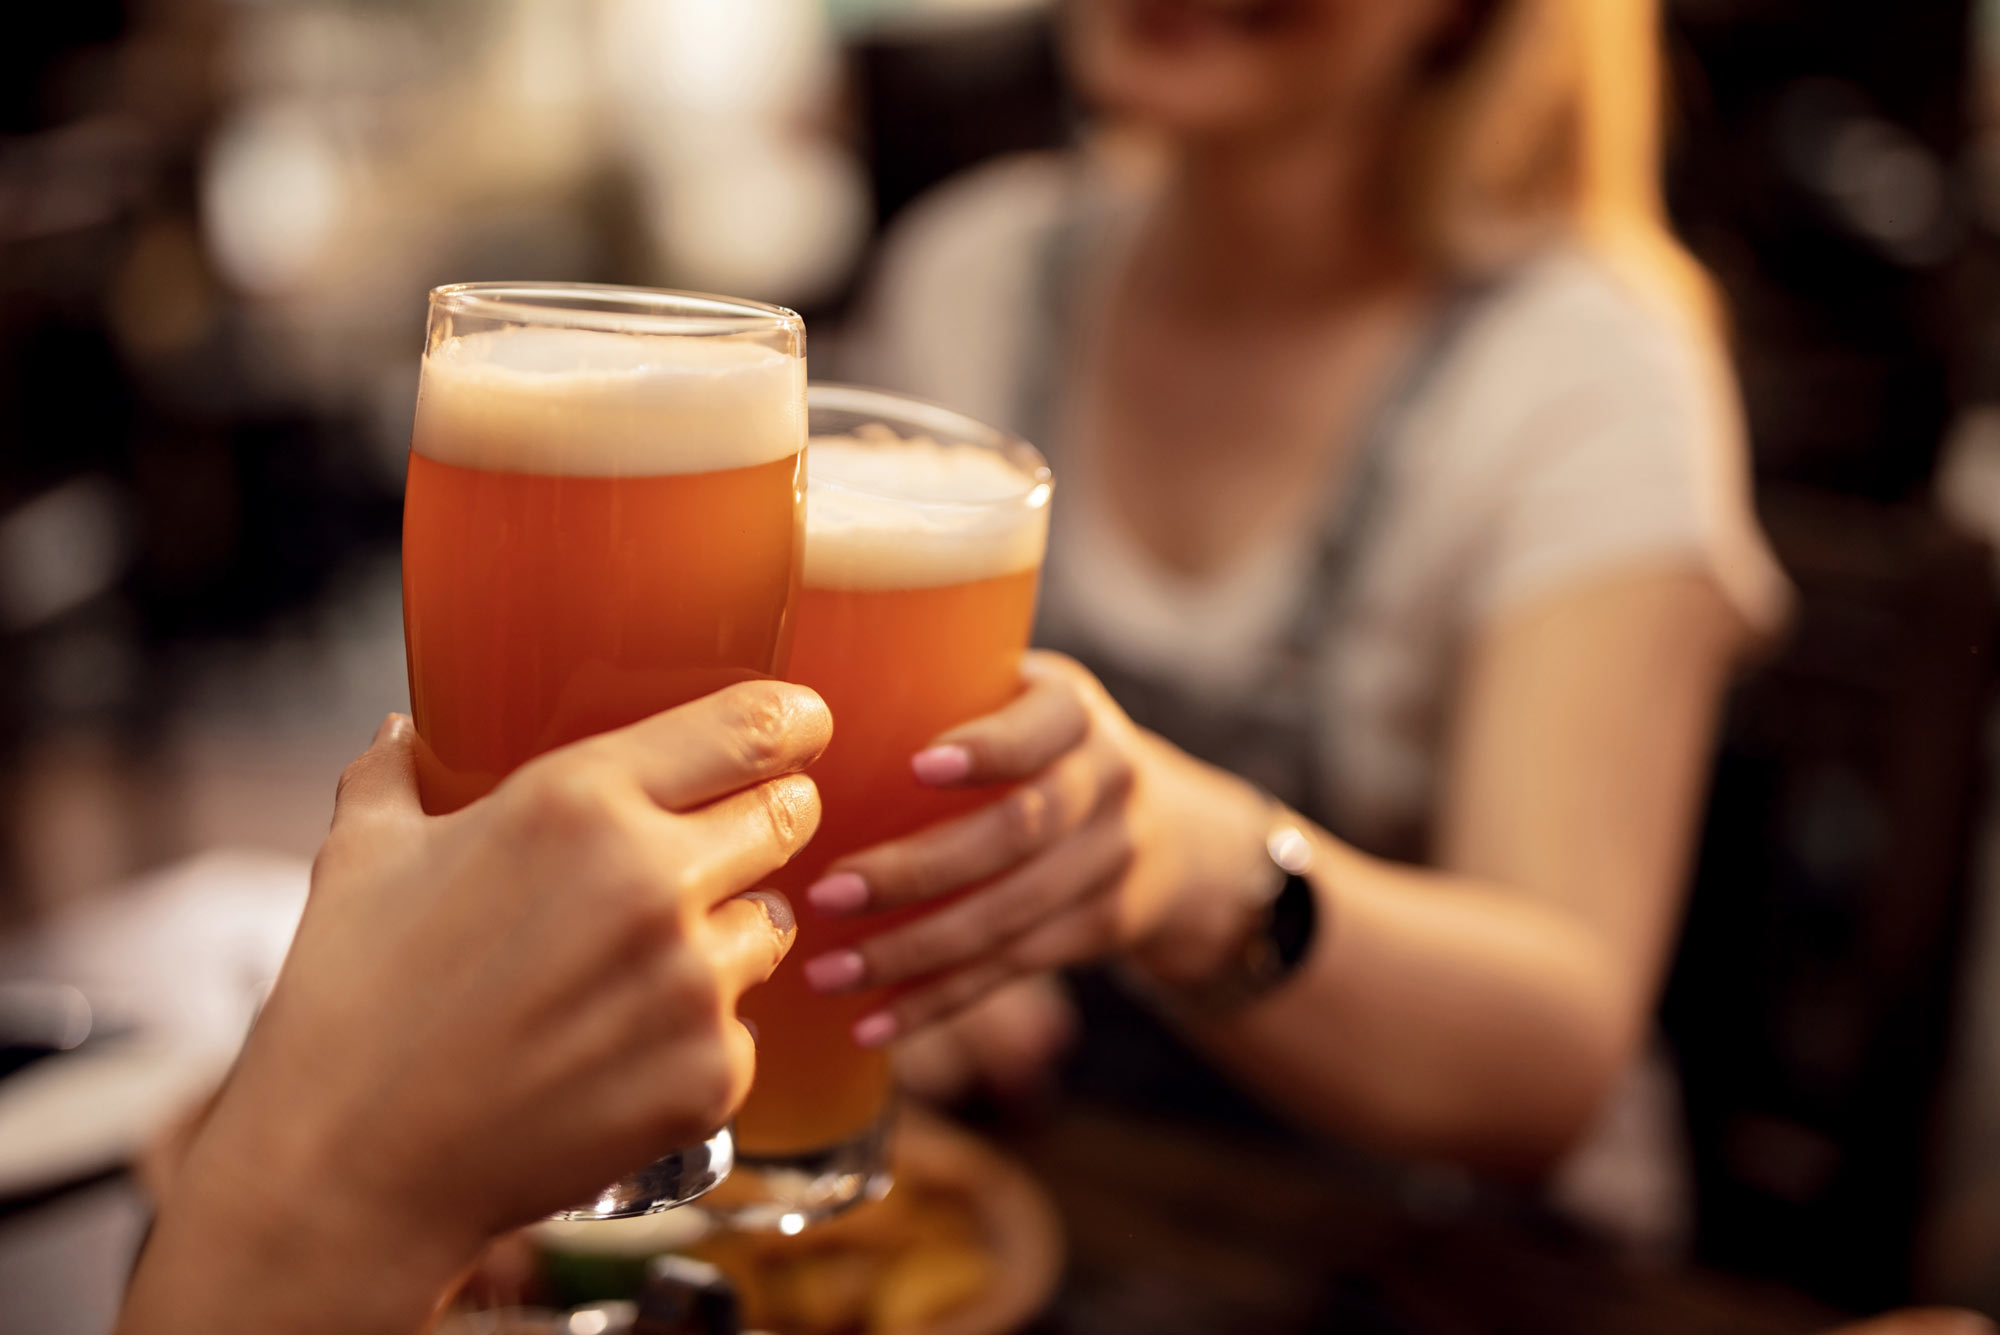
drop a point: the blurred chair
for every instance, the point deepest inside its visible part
(1820, 173)
(1811, 1003)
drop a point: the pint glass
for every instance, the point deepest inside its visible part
(924, 539)
(604, 518)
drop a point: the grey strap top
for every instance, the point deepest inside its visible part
(1270, 735)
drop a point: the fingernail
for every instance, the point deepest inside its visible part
(872, 1031)
(940, 765)
(776, 908)
(835, 971)
(389, 723)
(842, 892)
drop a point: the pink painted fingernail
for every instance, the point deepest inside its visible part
(835, 971)
(940, 765)
(872, 1031)
(842, 892)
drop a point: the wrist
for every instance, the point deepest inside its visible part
(1226, 871)
(261, 1231)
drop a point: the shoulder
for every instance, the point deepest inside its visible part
(1569, 324)
(1586, 425)
(1565, 360)
(991, 211)
(956, 278)
(976, 236)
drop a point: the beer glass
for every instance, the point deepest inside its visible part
(604, 518)
(924, 539)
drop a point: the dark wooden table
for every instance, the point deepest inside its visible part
(1174, 1226)
(1178, 1230)
(1171, 1230)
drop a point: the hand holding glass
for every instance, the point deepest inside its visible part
(604, 519)
(925, 533)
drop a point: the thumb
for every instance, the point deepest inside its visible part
(381, 781)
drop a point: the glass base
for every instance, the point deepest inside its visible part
(783, 1193)
(680, 1177)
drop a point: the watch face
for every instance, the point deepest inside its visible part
(1294, 921)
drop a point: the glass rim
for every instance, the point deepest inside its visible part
(893, 409)
(614, 308)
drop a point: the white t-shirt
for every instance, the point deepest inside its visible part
(1571, 433)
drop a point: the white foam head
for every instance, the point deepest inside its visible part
(890, 513)
(586, 402)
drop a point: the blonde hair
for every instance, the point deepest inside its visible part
(1549, 117)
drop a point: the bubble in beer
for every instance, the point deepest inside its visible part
(888, 512)
(593, 403)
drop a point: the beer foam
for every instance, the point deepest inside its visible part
(585, 402)
(889, 513)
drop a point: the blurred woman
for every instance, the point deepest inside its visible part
(487, 1016)
(1404, 510)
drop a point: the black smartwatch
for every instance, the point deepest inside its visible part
(1280, 925)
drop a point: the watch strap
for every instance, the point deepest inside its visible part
(1281, 923)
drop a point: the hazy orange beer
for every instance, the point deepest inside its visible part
(924, 541)
(604, 519)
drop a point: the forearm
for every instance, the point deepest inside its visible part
(1438, 1017)
(1483, 1015)
(1435, 1015)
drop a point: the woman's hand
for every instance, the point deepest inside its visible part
(1113, 841)
(492, 1014)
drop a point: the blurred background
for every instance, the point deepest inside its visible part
(218, 220)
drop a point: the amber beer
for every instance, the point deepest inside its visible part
(604, 518)
(924, 542)
(600, 523)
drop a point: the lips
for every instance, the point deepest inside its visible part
(1168, 18)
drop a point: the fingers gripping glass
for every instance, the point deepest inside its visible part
(925, 532)
(604, 518)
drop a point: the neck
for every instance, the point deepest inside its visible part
(1290, 219)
